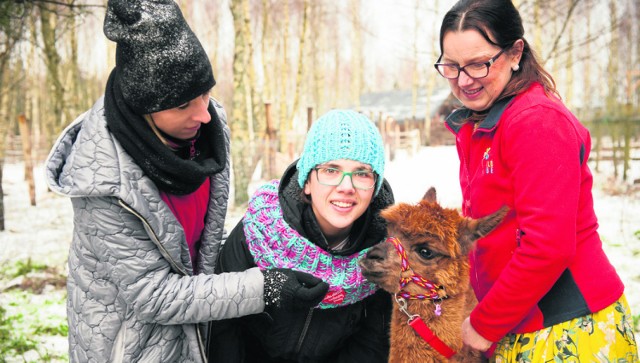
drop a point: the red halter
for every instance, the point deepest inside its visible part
(415, 321)
(432, 288)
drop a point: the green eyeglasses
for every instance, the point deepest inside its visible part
(360, 179)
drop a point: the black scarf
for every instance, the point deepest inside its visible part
(171, 173)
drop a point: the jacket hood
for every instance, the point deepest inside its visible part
(368, 230)
(81, 162)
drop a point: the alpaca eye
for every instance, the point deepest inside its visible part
(426, 253)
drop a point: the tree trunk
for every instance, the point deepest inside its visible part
(284, 78)
(587, 53)
(635, 86)
(241, 150)
(431, 81)
(357, 60)
(568, 98)
(626, 35)
(52, 60)
(537, 27)
(266, 44)
(1, 195)
(212, 33)
(415, 72)
(301, 47)
(255, 112)
(336, 87)
(269, 163)
(27, 152)
(8, 44)
(74, 70)
(3, 134)
(613, 66)
(318, 49)
(10, 33)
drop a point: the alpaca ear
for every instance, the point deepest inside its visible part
(430, 195)
(471, 230)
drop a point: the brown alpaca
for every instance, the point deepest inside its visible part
(437, 242)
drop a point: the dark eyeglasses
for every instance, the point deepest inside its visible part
(473, 70)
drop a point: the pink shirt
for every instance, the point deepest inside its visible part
(190, 210)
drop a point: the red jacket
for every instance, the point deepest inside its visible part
(544, 264)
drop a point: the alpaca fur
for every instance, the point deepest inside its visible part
(437, 241)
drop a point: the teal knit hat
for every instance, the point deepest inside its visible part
(342, 134)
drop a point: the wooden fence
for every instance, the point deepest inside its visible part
(13, 152)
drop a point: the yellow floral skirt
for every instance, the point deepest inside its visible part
(606, 336)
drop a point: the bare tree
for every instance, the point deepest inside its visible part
(635, 85)
(587, 52)
(568, 95)
(243, 151)
(317, 51)
(563, 25)
(357, 60)
(256, 114)
(284, 76)
(415, 64)
(335, 87)
(613, 66)
(12, 25)
(300, 67)
(74, 68)
(48, 29)
(431, 78)
(265, 45)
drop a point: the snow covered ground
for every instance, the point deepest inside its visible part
(43, 233)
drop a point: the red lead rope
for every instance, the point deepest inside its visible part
(423, 330)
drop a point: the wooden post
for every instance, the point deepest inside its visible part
(626, 148)
(309, 117)
(382, 126)
(291, 151)
(391, 137)
(597, 136)
(396, 136)
(270, 159)
(25, 134)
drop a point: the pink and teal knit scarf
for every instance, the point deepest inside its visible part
(273, 243)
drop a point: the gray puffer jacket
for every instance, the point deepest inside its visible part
(132, 295)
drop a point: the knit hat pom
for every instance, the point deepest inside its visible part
(160, 63)
(342, 134)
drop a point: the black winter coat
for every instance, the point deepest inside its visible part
(355, 333)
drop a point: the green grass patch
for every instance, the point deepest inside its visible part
(21, 268)
(13, 342)
(33, 323)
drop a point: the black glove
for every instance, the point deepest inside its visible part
(288, 289)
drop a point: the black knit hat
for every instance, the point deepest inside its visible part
(160, 64)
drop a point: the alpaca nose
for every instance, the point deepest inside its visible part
(376, 253)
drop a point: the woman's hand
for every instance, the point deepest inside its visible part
(288, 289)
(471, 337)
